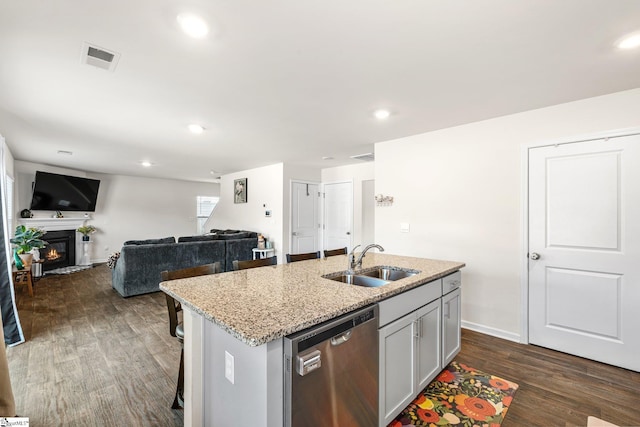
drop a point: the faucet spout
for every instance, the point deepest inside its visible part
(353, 263)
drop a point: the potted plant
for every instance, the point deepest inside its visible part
(26, 240)
(86, 230)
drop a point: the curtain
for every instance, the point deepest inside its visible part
(11, 323)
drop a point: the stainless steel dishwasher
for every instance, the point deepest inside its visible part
(331, 373)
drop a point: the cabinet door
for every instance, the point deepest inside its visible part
(428, 349)
(397, 367)
(451, 320)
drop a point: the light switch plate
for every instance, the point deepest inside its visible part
(228, 367)
(405, 227)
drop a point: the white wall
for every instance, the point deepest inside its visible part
(128, 207)
(460, 191)
(356, 173)
(264, 192)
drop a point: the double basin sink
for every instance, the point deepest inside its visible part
(372, 277)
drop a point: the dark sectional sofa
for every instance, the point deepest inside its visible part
(137, 270)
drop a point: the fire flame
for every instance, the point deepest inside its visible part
(52, 255)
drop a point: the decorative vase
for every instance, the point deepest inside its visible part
(86, 238)
(17, 260)
(26, 259)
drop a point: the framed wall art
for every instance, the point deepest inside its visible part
(240, 190)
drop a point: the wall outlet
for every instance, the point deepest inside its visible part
(405, 227)
(228, 367)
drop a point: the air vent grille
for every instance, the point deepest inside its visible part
(99, 57)
(100, 54)
(367, 157)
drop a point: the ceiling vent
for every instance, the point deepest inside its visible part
(367, 157)
(99, 57)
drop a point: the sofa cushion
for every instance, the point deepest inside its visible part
(202, 238)
(151, 241)
(234, 236)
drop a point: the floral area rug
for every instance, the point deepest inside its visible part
(460, 396)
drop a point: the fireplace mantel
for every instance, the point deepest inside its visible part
(53, 224)
(57, 224)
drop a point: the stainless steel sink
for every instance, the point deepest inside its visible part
(372, 277)
(389, 274)
(355, 279)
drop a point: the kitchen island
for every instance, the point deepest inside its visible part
(235, 323)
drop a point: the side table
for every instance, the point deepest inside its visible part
(23, 277)
(263, 253)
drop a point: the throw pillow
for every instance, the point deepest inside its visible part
(151, 241)
(112, 260)
(203, 238)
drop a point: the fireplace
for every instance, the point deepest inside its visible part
(61, 250)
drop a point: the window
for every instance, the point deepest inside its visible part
(204, 207)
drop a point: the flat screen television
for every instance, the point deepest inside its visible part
(54, 192)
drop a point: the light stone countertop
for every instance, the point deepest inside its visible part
(263, 304)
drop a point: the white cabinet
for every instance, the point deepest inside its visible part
(410, 355)
(450, 326)
(451, 316)
(419, 334)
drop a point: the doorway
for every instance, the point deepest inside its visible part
(338, 215)
(583, 272)
(305, 217)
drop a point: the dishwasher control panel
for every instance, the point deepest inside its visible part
(308, 362)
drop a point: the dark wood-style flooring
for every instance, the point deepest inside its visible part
(93, 358)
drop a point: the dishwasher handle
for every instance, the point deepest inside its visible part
(341, 339)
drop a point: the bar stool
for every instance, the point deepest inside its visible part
(176, 328)
(333, 252)
(243, 265)
(302, 257)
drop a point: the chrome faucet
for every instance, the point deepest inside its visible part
(353, 263)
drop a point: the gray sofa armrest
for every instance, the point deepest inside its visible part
(239, 250)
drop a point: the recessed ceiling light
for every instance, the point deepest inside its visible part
(630, 42)
(195, 129)
(193, 25)
(146, 164)
(381, 114)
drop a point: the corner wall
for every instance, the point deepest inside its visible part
(264, 192)
(460, 189)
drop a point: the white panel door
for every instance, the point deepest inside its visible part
(304, 218)
(338, 215)
(584, 249)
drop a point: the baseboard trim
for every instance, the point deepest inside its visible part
(494, 332)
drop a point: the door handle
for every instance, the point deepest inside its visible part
(535, 256)
(294, 233)
(348, 233)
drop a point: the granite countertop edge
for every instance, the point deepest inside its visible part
(364, 297)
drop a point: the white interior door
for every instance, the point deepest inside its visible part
(338, 215)
(305, 222)
(584, 249)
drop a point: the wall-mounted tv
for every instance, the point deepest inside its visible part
(54, 192)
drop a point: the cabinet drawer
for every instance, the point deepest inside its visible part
(451, 282)
(399, 305)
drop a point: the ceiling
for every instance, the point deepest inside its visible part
(289, 80)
